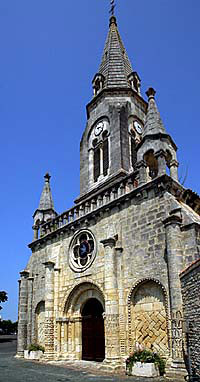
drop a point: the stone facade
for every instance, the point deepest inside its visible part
(105, 274)
(190, 283)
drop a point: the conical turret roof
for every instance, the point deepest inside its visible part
(115, 65)
(153, 123)
(46, 200)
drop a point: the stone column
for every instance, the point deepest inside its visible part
(29, 310)
(175, 265)
(59, 332)
(174, 169)
(78, 337)
(174, 257)
(35, 231)
(122, 303)
(73, 335)
(142, 167)
(49, 310)
(66, 345)
(22, 314)
(111, 315)
(160, 155)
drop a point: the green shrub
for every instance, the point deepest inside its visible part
(146, 356)
(35, 347)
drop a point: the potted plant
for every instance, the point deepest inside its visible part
(34, 351)
(145, 363)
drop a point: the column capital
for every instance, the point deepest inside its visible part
(24, 274)
(173, 163)
(173, 219)
(49, 264)
(141, 163)
(110, 242)
(160, 153)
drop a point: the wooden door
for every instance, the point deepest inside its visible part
(93, 341)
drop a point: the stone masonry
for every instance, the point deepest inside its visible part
(190, 283)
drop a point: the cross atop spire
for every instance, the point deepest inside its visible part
(112, 7)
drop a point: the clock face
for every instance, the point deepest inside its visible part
(99, 128)
(138, 127)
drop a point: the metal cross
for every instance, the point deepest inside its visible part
(113, 5)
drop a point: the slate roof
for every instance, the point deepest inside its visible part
(153, 123)
(46, 200)
(115, 65)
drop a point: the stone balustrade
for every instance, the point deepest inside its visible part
(94, 203)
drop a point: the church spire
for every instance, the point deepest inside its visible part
(115, 70)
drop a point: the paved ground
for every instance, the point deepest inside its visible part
(17, 370)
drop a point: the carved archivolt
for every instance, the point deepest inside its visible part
(78, 296)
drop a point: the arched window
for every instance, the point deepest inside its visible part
(152, 164)
(98, 150)
(97, 162)
(133, 151)
(101, 157)
(105, 153)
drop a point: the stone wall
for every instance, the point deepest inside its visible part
(138, 227)
(140, 249)
(190, 283)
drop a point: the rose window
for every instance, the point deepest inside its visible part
(82, 251)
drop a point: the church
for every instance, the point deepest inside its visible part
(104, 275)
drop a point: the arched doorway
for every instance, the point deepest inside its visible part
(93, 340)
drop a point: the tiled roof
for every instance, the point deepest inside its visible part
(115, 65)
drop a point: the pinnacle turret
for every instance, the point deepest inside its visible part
(156, 151)
(46, 200)
(45, 211)
(153, 123)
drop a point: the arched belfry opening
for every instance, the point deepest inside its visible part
(93, 339)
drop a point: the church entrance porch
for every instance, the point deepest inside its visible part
(93, 340)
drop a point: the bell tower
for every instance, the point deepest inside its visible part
(115, 119)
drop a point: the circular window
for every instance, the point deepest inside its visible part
(82, 251)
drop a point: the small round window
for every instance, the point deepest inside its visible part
(82, 251)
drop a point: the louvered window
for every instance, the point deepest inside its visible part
(105, 157)
(133, 152)
(96, 163)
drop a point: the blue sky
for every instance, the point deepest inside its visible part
(50, 51)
